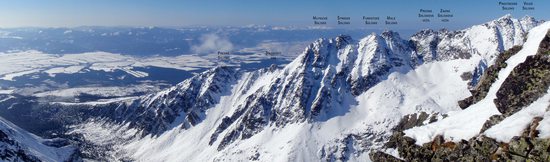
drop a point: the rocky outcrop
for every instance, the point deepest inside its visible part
(493, 120)
(416, 119)
(380, 156)
(11, 150)
(398, 138)
(527, 82)
(489, 76)
(521, 148)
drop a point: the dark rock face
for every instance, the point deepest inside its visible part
(493, 120)
(399, 139)
(407, 122)
(10, 150)
(466, 76)
(489, 76)
(416, 119)
(544, 47)
(527, 147)
(382, 157)
(527, 82)
(187, 101)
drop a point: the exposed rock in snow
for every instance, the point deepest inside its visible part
(17, 144)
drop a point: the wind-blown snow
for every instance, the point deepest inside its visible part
(467, 123)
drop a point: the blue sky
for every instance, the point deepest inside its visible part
(70, 13)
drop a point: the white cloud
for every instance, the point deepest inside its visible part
(211, 43)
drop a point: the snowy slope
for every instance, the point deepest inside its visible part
(17, 144)
(466, 124)
(355, 128)
(515, 124)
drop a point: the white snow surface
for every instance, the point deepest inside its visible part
(465, 124)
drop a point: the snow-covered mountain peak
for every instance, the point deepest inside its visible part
(389, 34)
(529, 22)
(486, 40)
(506, 17)
(529, 19)
(343, 40)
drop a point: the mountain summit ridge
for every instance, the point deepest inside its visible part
(331, 98)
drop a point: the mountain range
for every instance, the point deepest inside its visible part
(379, 98)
